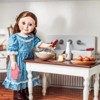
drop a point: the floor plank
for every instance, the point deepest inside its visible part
(5, 94)
(56, 93)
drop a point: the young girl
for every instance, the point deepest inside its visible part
(20, 47)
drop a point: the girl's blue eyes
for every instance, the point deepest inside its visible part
(25, 23)
(30, 24)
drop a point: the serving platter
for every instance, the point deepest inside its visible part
(83, 62)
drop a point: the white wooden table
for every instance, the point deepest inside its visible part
(65, 69)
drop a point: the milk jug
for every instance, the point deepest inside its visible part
(68, 51)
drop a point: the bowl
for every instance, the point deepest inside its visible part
(44, 55)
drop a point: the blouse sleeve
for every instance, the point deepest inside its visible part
(13, 45)
(37, 41)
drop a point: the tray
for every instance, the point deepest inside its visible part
(83, 62)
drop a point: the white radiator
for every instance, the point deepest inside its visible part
(67, 81)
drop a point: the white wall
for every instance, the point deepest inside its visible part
(80, 17)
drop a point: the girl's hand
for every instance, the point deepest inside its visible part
(53, 45)
(49, 46)
(13, 65)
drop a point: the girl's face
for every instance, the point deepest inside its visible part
(26, 25)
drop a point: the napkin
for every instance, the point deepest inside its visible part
(15, 73)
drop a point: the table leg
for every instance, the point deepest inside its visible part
(86, 88)
(30, 87)
(44, 84)
(96, 86)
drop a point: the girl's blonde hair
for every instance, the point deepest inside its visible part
(22, 15)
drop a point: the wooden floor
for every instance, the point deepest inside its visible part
(5, 94)
(53, 93)
(56, 93)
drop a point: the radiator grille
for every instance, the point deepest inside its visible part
(68, 81)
